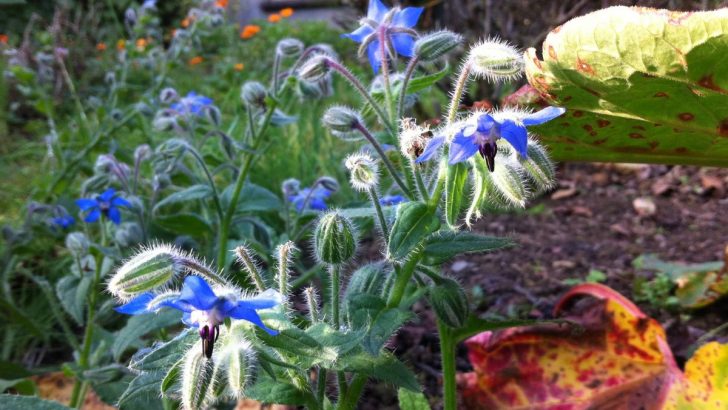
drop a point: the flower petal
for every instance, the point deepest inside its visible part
(119, 201)
(485, 123)
(404, 44)
(359, 34)
(462, 148)
(407, 17)
(376, 10)
(375, 57)
(86, 203)
(107, 195)
(265, 300)
(136, 306)
(93, 216)
(197, 293)
(114, 215)
(540, 117)
(317, 204)
(516, 135)
(431, 149)
(251, 316)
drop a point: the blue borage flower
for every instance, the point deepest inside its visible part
(106, 204)
(308, 199)
(206, 309)
(192, 104)
(395, 25)
(389, 200)
(63, 221)
(481, 132)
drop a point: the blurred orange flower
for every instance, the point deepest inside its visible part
(186, 22)
(196, 60)
(222, 3)
(274, 18)
(287, 12)
(239, 66)
(249, 31)
(4, 38)
(101, 47)
(141, 44)
(120, 45)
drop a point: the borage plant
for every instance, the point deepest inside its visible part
(472, 163)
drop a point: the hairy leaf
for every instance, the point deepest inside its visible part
(640, 85)
(442, 246)
(415, 220)
(618, 359)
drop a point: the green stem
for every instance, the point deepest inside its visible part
(242, 176)
(418, 179)
(74, 94)
(405, 81)
(390, 167)
(380, 215)
(457, 94)
(364, 93)
(382, 33)
(404, 274)
(349, 400)
(276, 70)
(447, 357)
(335, 303)
(215, 195)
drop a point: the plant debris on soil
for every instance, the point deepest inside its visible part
(601, 217)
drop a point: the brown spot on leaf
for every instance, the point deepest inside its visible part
(654, 144)
(599, 142)
(723, 128)
(566, 99)
(588, 128)
(636, 136)
(661, 94)
(593, 134)
(638, 127)
(685, 116)
(603, 123)
(584, 67)
(680, 150)
(565, 124)
(592, 92)
(552, 52)
(578, 113)
(707, 82)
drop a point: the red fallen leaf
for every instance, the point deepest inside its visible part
(526, 96)
(620, 360)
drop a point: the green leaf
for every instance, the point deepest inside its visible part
(409, 400)
(474, 325)
(298, 343)
(415, 220)
(640, 85)
(424, 81)
(72, 292)
(142, 391)
(253, 198)
(138, 326)
(163, 356)
(184, 224)
(25, 387)
(457, 177)
(280, 392)
(383, 327)
(384, 367)
(186, 195)
(14, 402)
(342, 342)
(444, 245)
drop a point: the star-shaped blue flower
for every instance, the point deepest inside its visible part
(191, 104)
(389, 200)
(106, 204)
(205, 310)
(394, 25)
(63, 221)
(307, 199)
(481, 136)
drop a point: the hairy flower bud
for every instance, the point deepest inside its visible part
(285, 258)
(253, 94)
(77, 243)
(290, 187)
(329, 183)
(289, 47)
(539, 167)
(168, 95)
(142, 153)
(164, 120)
(212, 114)
(432, 46)
(507, 179)
(449, 302)
(334, 238)
(315, 68)
(236, 361)
(495, 60)
(342, 122)
(312, 304)
(245, 256)
(197, 379)
(364, 171)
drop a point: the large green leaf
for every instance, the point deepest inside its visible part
(13, 402)
(139, 326)
(415, 220)
(640, 85)
(442, 246)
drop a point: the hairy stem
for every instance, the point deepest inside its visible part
(405, 81)
(390, 167)
(447, 357)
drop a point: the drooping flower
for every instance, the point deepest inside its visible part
(394, 25)
(63, 221)
(192, 104)
(310, 199)
(106, 204)
(206, 309)
(390, 200)
(481, 132)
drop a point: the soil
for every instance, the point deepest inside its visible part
(591, 221)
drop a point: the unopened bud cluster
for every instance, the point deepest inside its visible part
(334, 239)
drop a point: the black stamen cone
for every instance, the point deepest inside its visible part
(488, 151)
(209, 336)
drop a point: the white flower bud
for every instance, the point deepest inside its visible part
(495, 60)
(364, 171)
